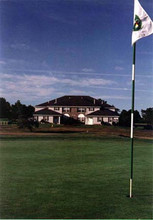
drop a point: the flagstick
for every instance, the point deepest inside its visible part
(132, 117)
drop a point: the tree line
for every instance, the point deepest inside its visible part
(16, 111)
(20, 112)
(146, 117)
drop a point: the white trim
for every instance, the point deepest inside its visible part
(132, 125)
(133, 72)
(130, 188)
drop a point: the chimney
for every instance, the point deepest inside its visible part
(55, 102)
(94, 101)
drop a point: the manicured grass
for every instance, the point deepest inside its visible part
(74, 177)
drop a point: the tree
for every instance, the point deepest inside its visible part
(147, 115)
(125, 118)
(5, 108)
(137, 117)
(29, 111)
(18, 110)
(27, 123)
(22, 111)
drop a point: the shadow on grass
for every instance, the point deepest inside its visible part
(135, 196)
(125, 136)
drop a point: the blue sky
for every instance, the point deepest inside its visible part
(50, 48)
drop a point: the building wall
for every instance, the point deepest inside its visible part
(40, 118)
(90, 111)
(105, 119)
(73, 112)
(94, 120)
(89, 120)
(3, 122)
(55, 109)
(50, 119)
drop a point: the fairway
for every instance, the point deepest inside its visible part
(72, 176)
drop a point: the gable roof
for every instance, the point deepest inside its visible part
(47, 111)
(104, 112)
(72, 100)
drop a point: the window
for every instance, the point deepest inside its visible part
(110, 119)
(46, 118)
(91, 109)
(66, 109)
(81, 109)
(56, 108)
(115, 120)
(99, 119)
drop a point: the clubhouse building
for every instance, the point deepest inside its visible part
(84, 109)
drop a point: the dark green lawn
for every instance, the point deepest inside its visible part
(74, 177)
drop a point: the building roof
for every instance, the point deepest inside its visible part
(4, 119)
(72, 100)
(47, 111)
(104, 112)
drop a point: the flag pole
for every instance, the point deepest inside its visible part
(132, 117)
(143, 27)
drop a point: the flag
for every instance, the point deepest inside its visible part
(143, 25)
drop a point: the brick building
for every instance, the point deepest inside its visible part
(86, 109)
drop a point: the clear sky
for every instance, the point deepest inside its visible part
(50, 48)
